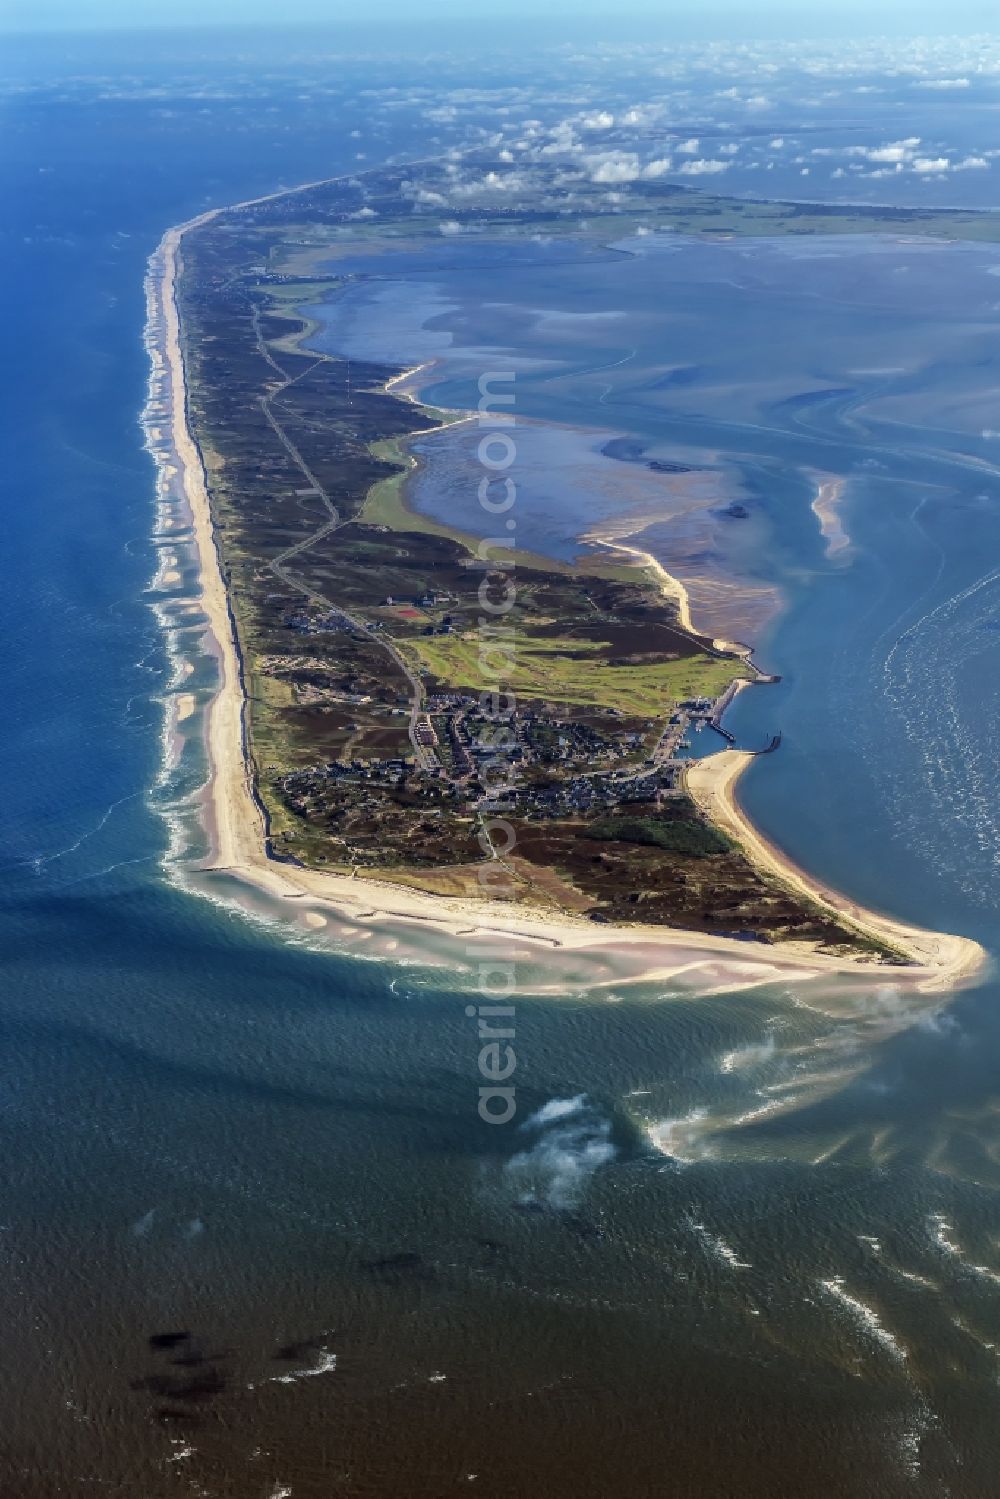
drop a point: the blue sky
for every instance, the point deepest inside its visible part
(682, 18)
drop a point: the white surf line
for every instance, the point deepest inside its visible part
(925, 593)
(913, 1278)
(163, 422)
(182, 1450)
(874, 1246)
(865, 1316)
(717, 1246)
(233, 826)
(985, 1343)
(38, 860)
(678, 1139)
(325, 1363)
(940, 1231)
(764, 1111)
(942, 608)
(751, 1055)
(831, 1150)
(770, 977)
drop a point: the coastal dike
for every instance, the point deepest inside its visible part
(346, 776)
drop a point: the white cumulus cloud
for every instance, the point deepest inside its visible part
(890, 154)
(704, 167)
(613, 166)
(599, 121)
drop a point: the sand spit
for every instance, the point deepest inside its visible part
(707, 602)
(671, 587)
(946, 961)
(234, 820)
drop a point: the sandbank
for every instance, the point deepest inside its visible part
(236, 821)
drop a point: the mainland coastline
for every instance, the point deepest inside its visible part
(236, 823)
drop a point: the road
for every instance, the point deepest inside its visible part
(424, 755)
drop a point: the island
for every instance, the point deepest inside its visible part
(393, 691)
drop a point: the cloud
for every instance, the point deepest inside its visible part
(943, 83)
(600, 121)
(971, 163)
(450, 226)
(890, 154)
(641, 114)
(689, 148)
(506, 182)
(925, 165)
(777, 143)
(704, 167)
(561, 138)
(662, 164)
(613, 166)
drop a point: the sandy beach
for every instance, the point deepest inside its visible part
(236, 824)
(709, 601)
(712, 782)
(671, 587)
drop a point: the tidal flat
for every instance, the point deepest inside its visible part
(766, 375)
(254, 1236)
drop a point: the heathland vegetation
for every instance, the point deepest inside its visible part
(388, 705)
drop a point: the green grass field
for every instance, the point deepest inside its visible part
(384, 505)
(545, 669)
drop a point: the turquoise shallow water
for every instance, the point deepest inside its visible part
(268, 1160)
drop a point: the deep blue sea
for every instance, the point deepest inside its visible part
(254, 1240)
